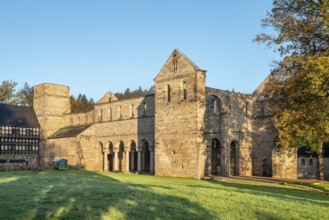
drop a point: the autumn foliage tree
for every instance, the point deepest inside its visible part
(299, 85)
(81, 104)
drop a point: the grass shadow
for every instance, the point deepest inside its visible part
(88, 195)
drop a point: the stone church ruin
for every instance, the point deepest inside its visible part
(184, 129)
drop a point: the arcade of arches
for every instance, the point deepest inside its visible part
(129, 157)
(196, 130)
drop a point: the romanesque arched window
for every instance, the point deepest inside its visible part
(184, 91)
(100, 115)
(168, 93)
(216, 107)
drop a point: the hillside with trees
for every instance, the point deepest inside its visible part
(129, 94)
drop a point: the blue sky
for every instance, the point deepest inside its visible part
(99, 46)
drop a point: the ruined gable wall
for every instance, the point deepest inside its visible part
(283, 163)
(180, 147)
(231, 123)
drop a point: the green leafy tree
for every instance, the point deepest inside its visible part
(301, 25)
(301, 103)
(7, 92)
(25, 95)
(299, 84)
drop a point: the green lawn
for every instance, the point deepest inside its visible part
(76, 194)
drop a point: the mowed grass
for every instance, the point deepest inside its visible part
(77, 194)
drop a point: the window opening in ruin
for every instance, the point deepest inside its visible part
(311, 162)
(100, 115)
(303, 162)
(184, 91)
(168, 93)
(174, 63)
(215, 106)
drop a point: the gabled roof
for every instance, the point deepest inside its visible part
(108, 97)
(18, 116)
(70, 131)
(261, 88)
(180, 55)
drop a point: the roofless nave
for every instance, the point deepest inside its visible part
(185, 129)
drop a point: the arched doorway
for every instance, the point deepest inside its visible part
(234, 159)
(215, 157)
(134, 157)
(145, 156)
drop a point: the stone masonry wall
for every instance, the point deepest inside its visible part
(231, 124)
(180, 148)
(50, 103)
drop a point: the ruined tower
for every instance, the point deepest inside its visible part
(50, 102)
(180, 146)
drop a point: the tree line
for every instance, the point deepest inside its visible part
(128, 94)
(79, 104)
(9, 95)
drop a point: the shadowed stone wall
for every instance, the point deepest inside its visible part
(229, 122)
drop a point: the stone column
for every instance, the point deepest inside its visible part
(223, 165)
(127, 161)
(105, 160)
(152, 161)
(105, 167)
(139, 162)
(143, 161)
(132, 160)
(116, 161)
